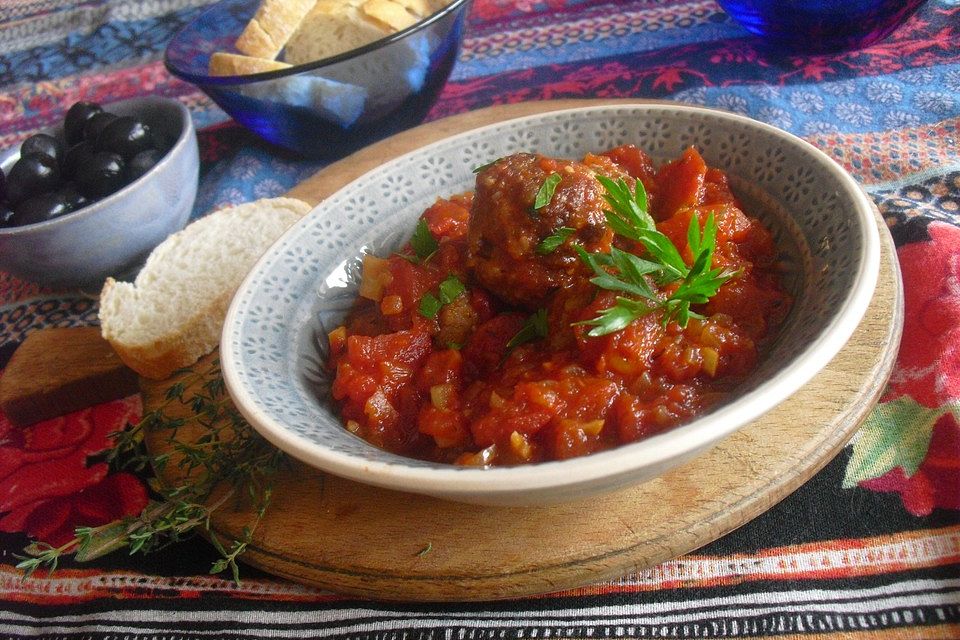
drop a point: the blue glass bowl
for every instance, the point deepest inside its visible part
(331, 107)
(820, 25)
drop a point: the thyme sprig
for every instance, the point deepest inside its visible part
(626, 273)
(227, 462)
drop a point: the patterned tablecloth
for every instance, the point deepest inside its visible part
(870, 547)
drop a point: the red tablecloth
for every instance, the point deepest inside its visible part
(870, 547)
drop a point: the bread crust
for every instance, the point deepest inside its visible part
(231, 64)
(185, 336)
(178, 348)
(393, 14)
(271, 26)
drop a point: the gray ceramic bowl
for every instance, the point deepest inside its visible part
(113, 235)
(274, 340)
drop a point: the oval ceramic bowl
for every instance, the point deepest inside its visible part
(113, 235)
(274, 340)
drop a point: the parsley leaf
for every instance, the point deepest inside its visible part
(546, 191)
(553, 241)
(536, 327)
(617, 317)
(423, 242)
(626, 273)
(628, 217)
(484, 167)
(429, 305)
(450, 289)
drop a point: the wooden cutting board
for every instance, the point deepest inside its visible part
(351, 538)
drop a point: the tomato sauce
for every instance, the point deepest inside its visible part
(449, 381)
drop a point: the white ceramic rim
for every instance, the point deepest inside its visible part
(586, 470)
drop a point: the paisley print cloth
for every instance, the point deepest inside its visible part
(870, 545)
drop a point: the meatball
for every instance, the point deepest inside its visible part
(505, 229)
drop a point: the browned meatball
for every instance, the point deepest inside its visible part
(505, 229)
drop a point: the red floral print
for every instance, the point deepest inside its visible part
(937, 482)
(47, 488)
(928, 366)
(925, 386)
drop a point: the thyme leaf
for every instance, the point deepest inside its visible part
(229, 462)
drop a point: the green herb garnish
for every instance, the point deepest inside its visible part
(450, 289)
(423, 242)
(553, 241)
(545, 193)
(486, 166)
(628, 217)
(626, 273)
(536, 327)
(430, 305)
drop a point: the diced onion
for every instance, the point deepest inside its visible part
(520, 446)
(710, 360)
(441, 396)
(376, 275)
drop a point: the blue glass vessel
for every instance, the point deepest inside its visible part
(328, 108)
(820, 25)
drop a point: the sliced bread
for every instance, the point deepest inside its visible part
(271, 26)
(231, 64)
(336, 26)
(332, 27)
(173, 313)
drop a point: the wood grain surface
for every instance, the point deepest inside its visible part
(351, 538)
(59, 370)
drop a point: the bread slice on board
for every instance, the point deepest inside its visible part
(274, 22)
(232, 64)
(173, 313)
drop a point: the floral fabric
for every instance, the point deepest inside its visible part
(870, 545)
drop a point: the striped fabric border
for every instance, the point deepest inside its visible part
(914, 603)
(855, 558)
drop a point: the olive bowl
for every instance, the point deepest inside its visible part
(113, 235)
(274, 347)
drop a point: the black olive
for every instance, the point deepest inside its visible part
(77, 155)
(96, 124)
(101, 176)
(142, 163)
(41, 208)
(3, 187)
(42, 145)
(126, 136)
(75, 120)
(31, 176)
(6, 216)
(74, 199)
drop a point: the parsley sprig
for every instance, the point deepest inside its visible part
(626, 273)
(423, 243)
(546, 191)
(535, 327)
(449, 290)
(553, 241)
